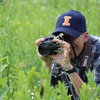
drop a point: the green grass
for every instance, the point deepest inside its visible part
(22, 22)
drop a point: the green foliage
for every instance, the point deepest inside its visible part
(22, 22)
(49, 92)
(2, 93)
(90, 93)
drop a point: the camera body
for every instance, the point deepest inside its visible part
(47, 47)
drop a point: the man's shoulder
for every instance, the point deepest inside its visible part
(96, 58)
(95, 42)
(95, 37)
(95, 47)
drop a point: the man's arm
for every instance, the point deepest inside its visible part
(76, 81)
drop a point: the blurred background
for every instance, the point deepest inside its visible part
(22, 22)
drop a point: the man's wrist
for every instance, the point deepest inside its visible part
(68, 67)
(71, 70)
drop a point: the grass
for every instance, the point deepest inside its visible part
(22, 22)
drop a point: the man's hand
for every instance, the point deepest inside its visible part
(63, 58)
(47, 59)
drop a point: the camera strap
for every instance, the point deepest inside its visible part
(87, 53)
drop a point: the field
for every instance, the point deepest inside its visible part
(22, 22)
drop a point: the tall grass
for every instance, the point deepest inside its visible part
(22, 22)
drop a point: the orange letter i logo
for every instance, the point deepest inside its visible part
(66, 21)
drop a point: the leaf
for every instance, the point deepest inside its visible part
(37, 74)
(33, 74)
(3, 67)
(3, 80)
(3, 92)
(1, 59)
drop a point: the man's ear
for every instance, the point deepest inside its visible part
(86, 36)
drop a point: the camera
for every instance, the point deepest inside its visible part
(47, 47)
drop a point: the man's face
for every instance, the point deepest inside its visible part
(79, 44)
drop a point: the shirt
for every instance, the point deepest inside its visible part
(96, 58)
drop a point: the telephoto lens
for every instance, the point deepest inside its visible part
(48, 48)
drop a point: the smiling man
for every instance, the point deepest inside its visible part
(77, 56)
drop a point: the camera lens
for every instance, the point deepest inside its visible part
(45, 48)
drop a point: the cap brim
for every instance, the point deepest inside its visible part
(68, 31)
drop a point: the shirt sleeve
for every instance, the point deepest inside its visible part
(96, 65)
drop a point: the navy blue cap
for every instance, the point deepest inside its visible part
(71, 23)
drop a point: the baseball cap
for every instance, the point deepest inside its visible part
(71, 23)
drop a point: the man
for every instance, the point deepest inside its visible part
(77, 56)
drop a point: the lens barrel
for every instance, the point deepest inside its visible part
(48, 48)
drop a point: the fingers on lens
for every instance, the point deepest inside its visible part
(39, 41)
